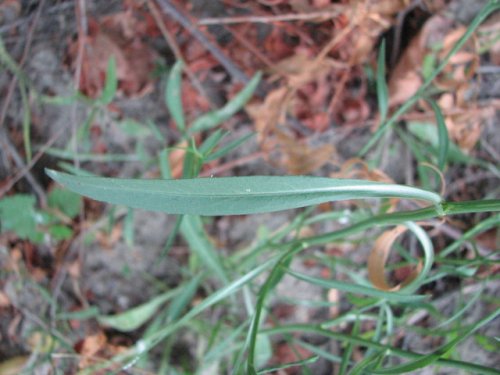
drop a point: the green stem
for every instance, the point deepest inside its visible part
(446, 208)
(455, 208)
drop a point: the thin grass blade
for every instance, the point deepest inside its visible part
(111, 83)
(173, 96)
(214, 118)
(382, 91)
(443, 138)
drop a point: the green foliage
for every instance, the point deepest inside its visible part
(18, 214)
(234, 195)
(65, 201)
(239, 285)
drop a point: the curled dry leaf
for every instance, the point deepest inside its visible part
(377, 260)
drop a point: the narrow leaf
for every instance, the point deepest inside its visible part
(173, 96)
(382, 92)
(192, 231)
(214, 118)
(137, 316)
(224, 150)
(232, 195)
(443, 138)
(111, 84)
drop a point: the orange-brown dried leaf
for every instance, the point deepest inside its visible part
(378, 257)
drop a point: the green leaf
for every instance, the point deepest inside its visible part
(264, 350)
(212, 141)
(60, 232)
(137, 316)
(135, 129)
(111, 84)
(382, 91)
(302, 362)
(430, 134)
(65, 200)
(185, 296)
(18, 214)
(214, 118)
(192, 230)
(173, 96)
(224, 150)
(232, 195)
(443, 138)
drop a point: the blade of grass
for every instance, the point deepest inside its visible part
(192, 230)
(180, 302)
(111, 83)
(173, 96)
(443, 138)
(233, 195)
(214, 118)
(302, 362)
(382, 91)
(132, 319)
(226, 149)
(346, 356)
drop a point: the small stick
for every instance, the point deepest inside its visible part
(24, 171)
(321, 15)
(168, 8)
(177, 52)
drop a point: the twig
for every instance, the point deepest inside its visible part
(177, 52)
(25, 170)
(168, 8)
(18, 160)
(320, 15)
(21, 21)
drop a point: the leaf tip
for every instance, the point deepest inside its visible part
(52, 174)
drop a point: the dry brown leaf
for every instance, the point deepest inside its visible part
(301, 159)
(378, 259)
(92, 344)
(405, 78)
(115, 35)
